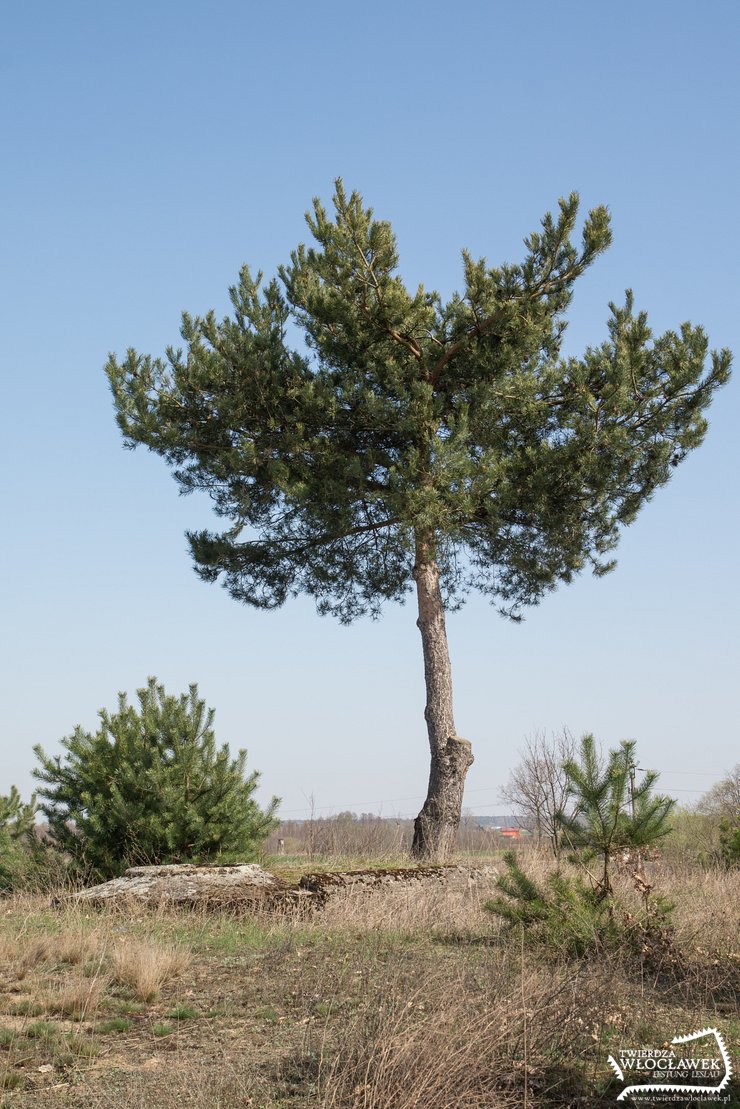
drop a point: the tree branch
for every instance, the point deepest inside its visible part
(323, 540)
(544, 286)
(406, 341)
(451, 352)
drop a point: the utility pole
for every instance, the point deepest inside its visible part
(637, 863)
(632, 769)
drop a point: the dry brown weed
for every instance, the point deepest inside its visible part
(494, 1038)
(145, 967)
(76, 997)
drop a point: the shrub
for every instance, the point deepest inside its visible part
(150, 786)
(25, 862)
(722, 803)
(16, 835)
(729, 840)
(568, 916)
(723, 799)
(694, 838)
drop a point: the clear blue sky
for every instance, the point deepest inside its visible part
(148, 150)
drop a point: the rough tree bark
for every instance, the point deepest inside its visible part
(435, 828)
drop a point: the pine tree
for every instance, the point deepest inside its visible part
(19, 847)
(565, 913)
(417, 443)
(608, 811)
(150, 786)
(17, 819)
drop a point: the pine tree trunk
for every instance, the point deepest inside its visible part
(435, 828)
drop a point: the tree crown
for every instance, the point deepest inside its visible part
(410, 424)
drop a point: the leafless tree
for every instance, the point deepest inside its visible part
(723, 799)
(537, 788)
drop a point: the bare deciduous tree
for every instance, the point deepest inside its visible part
(723, 799)
(538, 786)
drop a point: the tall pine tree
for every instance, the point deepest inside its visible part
(416, 443)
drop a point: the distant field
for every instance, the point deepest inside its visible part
(396, 998)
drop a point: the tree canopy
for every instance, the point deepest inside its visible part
(404, 414)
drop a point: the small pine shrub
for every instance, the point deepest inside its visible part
(608, 809)
(151, 786)
(566, 916)
(569, 917)
(25, 862)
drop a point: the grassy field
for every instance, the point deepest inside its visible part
(398, 998)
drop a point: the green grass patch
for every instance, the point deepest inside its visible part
(84, 1047)
(182, 1012)
(26, 1008)
(231, 937)
(160, 1029)
(204, 933)
(116, 1024)
(42, 1030)
(12, 1080)
(91, 968)
(126, 1006)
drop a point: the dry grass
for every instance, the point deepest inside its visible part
(461, 1041)
(217, 1083)
(411, 909)
(520, 1031)
(707, 907)
(145, 967)
(72, 946)
(394, 998)
(75, 997)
